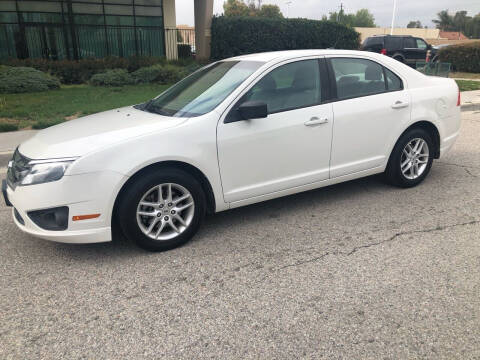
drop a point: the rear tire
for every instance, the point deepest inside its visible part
(408, 166)
(162, 209)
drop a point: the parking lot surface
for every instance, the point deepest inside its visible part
(356, 270)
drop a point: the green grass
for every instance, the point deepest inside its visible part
(468, 85)
(464, 75)
(40, 110)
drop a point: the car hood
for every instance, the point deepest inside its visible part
(86, 134)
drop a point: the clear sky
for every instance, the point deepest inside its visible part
(423, 10)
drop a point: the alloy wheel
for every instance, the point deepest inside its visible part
(165, 211)
(414, 159)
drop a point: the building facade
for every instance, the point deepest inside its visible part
(78, 29)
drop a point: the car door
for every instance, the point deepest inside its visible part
(368, 113)
(415, 50)
(288, 148)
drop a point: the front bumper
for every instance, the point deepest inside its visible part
(82, 194)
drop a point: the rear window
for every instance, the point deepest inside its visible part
(394, 43)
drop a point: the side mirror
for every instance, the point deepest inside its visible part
(253, 110)
(429, 47)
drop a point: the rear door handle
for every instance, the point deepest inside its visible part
(399, 104)
(316, 121)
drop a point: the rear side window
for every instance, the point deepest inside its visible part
(393, 81)
(357, 77)
(409, 43)
(394, 43)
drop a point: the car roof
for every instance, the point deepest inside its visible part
(292, 54)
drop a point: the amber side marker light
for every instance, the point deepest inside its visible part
(85, 217)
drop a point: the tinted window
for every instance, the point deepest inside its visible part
(287, 87)
(357, 77)
(394, 43)
(393, 81)
(421, 44)
(409, 43)
(374, 41)
(202, 91)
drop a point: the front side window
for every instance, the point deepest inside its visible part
(291, 86)
(357, 77)
(204, 90)
(421, 44)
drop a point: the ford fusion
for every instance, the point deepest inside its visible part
(236, 132)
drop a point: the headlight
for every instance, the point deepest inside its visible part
(43, 171)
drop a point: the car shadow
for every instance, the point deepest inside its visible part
(276, 208)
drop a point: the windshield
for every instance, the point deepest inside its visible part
(202, 91)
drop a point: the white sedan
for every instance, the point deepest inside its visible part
(236, 132)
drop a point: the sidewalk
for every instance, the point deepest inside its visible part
(470, 100)
(10, 140)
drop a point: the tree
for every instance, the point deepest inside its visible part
(270, 11)
(414, 25)
(444, 21)
(251, 8)
(362, 18)
(235, 8)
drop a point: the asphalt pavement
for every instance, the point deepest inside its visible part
(359, 270)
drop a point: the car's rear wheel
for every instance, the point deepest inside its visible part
(411, 158)
(162, 209)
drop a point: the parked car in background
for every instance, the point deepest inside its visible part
(404, 48)
(236, 132)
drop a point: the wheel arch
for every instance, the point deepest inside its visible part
(158, 166)
(428, 126)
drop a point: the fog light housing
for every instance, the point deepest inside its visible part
(54, 219)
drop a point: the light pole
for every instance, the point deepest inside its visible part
(288, 7)
(393, 15)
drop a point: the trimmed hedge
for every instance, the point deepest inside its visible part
(463, 57)
(25, 79)
(232, 36)
(115, 77)
(78, 72)
(163, 74)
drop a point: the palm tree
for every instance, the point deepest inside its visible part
(444, 21)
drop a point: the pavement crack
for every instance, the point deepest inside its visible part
(459, 165)
(373, 244)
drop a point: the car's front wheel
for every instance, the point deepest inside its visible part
(162, 209)
(411, 158)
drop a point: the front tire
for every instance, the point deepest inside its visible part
(411, 159)
(162, 209)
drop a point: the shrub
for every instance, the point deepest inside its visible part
(232, 36)
(147, 74)
(25, 79)
(4, 127)
(77, 72)
(163, 74)
(463, 57)
(115, 77)
(184, 51)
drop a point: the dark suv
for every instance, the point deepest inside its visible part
(404, 48)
